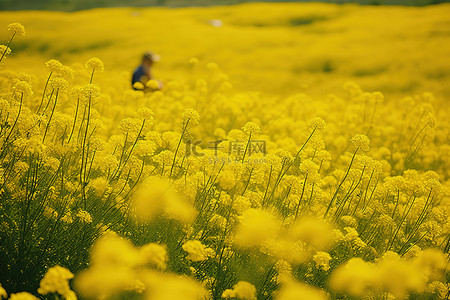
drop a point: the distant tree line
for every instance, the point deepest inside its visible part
(72, 5)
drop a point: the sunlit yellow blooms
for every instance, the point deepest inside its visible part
(67, 218)
(218, 221)
(431, 262)
(54, 65)
(95, 64)
(154, 255)
(24, 77)
(56, 281)
(361, 141)
(293, 252)
(90, 91)
(438, 289)
(251, 128)
(3, 293)
(83, 216)
(227, 179)
(433, 185)
(193, 60)
(393, 274)
(157, 196)
(130, 125)
(398, 277)
(144, 148)
(191, 115)
(241, 204)
(22, 296)
(308, 166)
(24, 88)
(99, 185)
(255, 227)
(138, 85)
(315, 232)
(164, 286)
(16, 28)
(354, 277)
(291, 290)
(352, 88)
(59, 83)
(197, 251)
(4, 50)
(212, 66)
(112, 268)
(316, 124)
(145, 113)
(111, 250)
(241, 290)
(322, 260)
(283, 267)
(104, 281)
(50, 213)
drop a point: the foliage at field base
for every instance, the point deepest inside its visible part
(205, 191)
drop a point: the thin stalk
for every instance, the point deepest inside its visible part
(178, 146)
(7, 46)
(301, 197)
(340, 184)
(51, 116)
(43, 93)
(74, 120)
(246, 147)
(400, 225)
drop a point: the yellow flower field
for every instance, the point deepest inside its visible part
(295, 151)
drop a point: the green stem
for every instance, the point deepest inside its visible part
(246, 147)
(51, 116)
(340, 184)
(178, 146)
(7, 46)
(301, 197)
(43, 94)
(74, 120)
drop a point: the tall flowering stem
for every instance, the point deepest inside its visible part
(340, 184)
(7, 46)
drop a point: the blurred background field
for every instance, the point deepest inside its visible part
(69, 5)
(279, 48)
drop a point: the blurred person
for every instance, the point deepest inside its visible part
(142, 76)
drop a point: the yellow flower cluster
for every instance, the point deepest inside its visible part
(116, 266)
(241, 290)
(16, 28)
(197, 251)
(157, 196)
(391, 274)
(56, 281)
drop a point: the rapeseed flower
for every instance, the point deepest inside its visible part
(95, 64)
(241, 290)
(16, 29)
(56, 281)
(3, 293)
(5, 50)
(197, 251)
(361, 141)
(22, 296)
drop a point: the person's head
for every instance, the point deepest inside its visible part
(149, 58)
